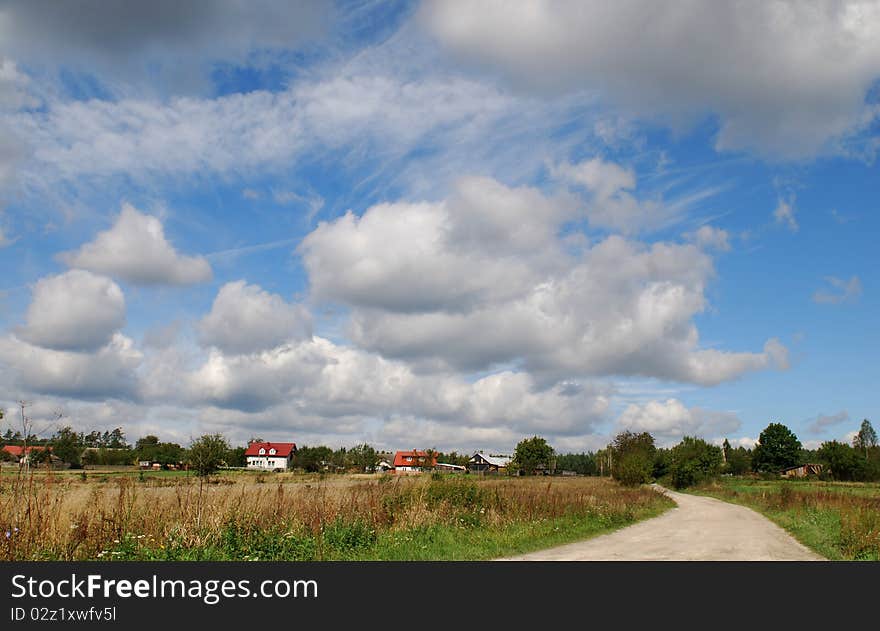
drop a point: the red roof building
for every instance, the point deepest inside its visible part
(413, 460)
(270, 456)
(18, 450)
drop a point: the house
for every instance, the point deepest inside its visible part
(384, 465)
(484, 463)
(21, 454)
(270, 456)
(801, 471)
(413, 460)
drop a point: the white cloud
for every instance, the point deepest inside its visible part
(108, 372)
(766, 69)
(135, 250)
(321, 383)
(483, 243)
(669, 420)
(76, 311)
(841, 291)
(433, 284)
(710, 237)
(246, 319)
(784, 214)
(612, 202)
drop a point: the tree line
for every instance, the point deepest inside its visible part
(631, 458)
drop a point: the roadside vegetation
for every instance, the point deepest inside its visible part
(241, 516)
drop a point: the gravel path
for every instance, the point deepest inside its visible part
(698, 529)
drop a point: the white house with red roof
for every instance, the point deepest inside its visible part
(270, 456)
(413, 460)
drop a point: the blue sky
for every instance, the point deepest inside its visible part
(440, 224)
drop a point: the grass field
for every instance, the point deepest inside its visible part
(247, 516)
(839, 520)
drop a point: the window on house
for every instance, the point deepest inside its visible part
(262, 451)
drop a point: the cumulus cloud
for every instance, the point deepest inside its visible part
(416, 257)
(822, 422)
(135, 250)
(327, 382)
(710, 237)
(838, 290)
(669, 420)
(108, 372)
(471, 290)
(77, 311)
(763, 68)
(246, 319)
(784, 214)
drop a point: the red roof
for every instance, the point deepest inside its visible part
(17, 450)
(281, 449)
(400, 458)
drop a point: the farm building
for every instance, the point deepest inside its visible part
(270, 456)
(384, 465)
(484, 463)
(801, 471)
(413, 460)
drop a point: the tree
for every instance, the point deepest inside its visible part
(866, 438)
(739, 461)
(532, 455)
(67, 445)
(693, 461)
(632, 457)
(362, 458)
(843, 462)
(777, 449)
(207, 454)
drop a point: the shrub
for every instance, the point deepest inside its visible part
(694, 461)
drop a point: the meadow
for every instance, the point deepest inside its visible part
(839, 520)
(248, 516)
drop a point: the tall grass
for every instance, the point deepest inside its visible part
(840, 521)
(61, 517)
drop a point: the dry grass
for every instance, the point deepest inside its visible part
(61, 517)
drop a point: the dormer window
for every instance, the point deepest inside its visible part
(262, 451)
(408, 458)
(272, 451)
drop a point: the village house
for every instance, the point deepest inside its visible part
(23, 456)
(413, 461)
(484, 463)
(270, 456)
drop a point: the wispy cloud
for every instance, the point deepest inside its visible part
(838, 291)
(822, 422)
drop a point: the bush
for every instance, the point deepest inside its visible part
(694, 461)
(632, 458)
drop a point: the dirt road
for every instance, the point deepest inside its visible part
(699, 529)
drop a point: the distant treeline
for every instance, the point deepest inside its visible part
(632, 458)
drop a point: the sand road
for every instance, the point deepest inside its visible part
(698, 529)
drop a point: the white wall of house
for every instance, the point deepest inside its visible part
(266, 462)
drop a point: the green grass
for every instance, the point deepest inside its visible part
(838, 520)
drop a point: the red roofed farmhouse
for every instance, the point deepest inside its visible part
(414, 460)
(270, 456)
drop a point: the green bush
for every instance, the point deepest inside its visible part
(694, 461)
